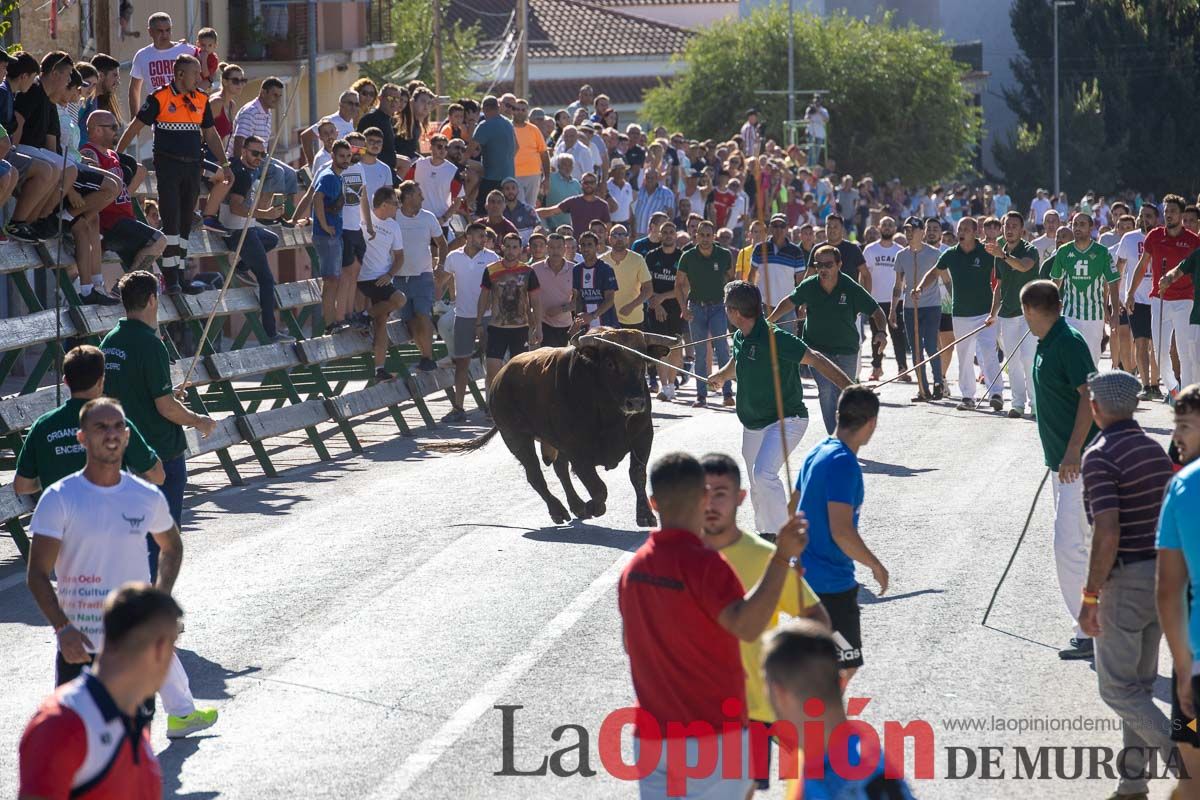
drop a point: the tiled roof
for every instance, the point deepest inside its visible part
(569, 29)
(555, 94)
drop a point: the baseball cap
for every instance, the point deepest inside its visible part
(537, 114)
(1115, 389)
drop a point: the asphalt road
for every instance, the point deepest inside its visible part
(357, 622)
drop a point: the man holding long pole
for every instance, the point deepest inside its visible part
(751, 366)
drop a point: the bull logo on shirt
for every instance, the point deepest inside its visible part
(134, 522)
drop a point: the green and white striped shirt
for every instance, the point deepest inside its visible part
(1084, 274)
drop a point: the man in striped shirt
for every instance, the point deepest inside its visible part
(1089, 282)
(1125, 473)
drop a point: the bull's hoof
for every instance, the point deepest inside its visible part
(558, 512)
(595, 508)
(580, 509)
(646, 518)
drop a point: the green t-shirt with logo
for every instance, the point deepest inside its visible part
(137, 371)
(1085, 274)
(1061, 365)
(51, 452)
(831, 326)
(707, 274)
(1012, 281)
(971, 279)
(755, 378)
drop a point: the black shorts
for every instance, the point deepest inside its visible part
(844, 614)
(671, 326)
(1180, 732)
(65, 673)
(354, 247)
(503, 342)
(128, 237)
(376, 293)
(553, 336)
(947, 324)
(1139, 321)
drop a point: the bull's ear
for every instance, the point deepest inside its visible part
(658, 350)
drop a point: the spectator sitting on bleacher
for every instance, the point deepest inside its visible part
(135, 242)
(51, 452)
(35, 178)
(255, 118)
(235, 215)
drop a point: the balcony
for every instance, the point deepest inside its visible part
(277, 30)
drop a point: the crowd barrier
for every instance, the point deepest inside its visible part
(265, 390)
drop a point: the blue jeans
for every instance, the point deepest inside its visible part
(259, 242)
(828, 392)
(930, 319)
(172, 489)
(708, 319)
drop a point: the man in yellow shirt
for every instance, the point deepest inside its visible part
(745, 256)
(634, 284)
(748, 554)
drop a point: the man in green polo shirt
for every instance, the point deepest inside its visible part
(1016, 265)
(138, 373)
(51, 452)
(700, 282)
(833, 300)
(1065, 426)
(762, 446)
(1089, 283)
(970, 269)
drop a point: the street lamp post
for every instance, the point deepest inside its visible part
(1057, 177)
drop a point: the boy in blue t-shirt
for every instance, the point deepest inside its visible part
(831, 495)
(800, 664)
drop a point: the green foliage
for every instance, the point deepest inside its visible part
(412, 30)
(897, 105)
(1129, 84)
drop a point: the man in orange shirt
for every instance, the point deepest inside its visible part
(532, 161)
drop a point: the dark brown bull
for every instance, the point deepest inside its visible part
(588, 406)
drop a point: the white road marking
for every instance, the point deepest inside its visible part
(430, 750)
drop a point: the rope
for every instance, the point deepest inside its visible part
(242, 240)
(1013, 557)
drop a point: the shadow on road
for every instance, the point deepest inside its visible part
(208, 679)
(171, 761)
(584, 533)
(895, 470)
(868, 598)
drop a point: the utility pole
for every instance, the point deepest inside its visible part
(521, 63)
(1057, 177)
(791, 104)
(437, 47)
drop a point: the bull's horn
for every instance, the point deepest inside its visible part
(661, 338)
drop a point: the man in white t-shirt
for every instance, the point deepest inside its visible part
(90, 529)
(881, 258)
(465, 267)
(1047, 244)
(1129, 254)
(154, 65)
(435, 175)
(343, 121)
(383, 258)
(422, 234)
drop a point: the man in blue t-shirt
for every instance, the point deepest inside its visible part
(800, 664)
(1179, 570)
(831, 496)
(594, 287)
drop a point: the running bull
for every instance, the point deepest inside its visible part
(588, 405)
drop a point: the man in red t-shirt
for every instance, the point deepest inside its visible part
(134, 241)
(92, 731)
(1162, 251)
(683, 611)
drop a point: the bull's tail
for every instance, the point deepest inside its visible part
(461, 445)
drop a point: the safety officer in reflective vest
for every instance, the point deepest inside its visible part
(182, 123)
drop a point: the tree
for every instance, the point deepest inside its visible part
(896, 100)
(412, 29)
(1129, 81)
